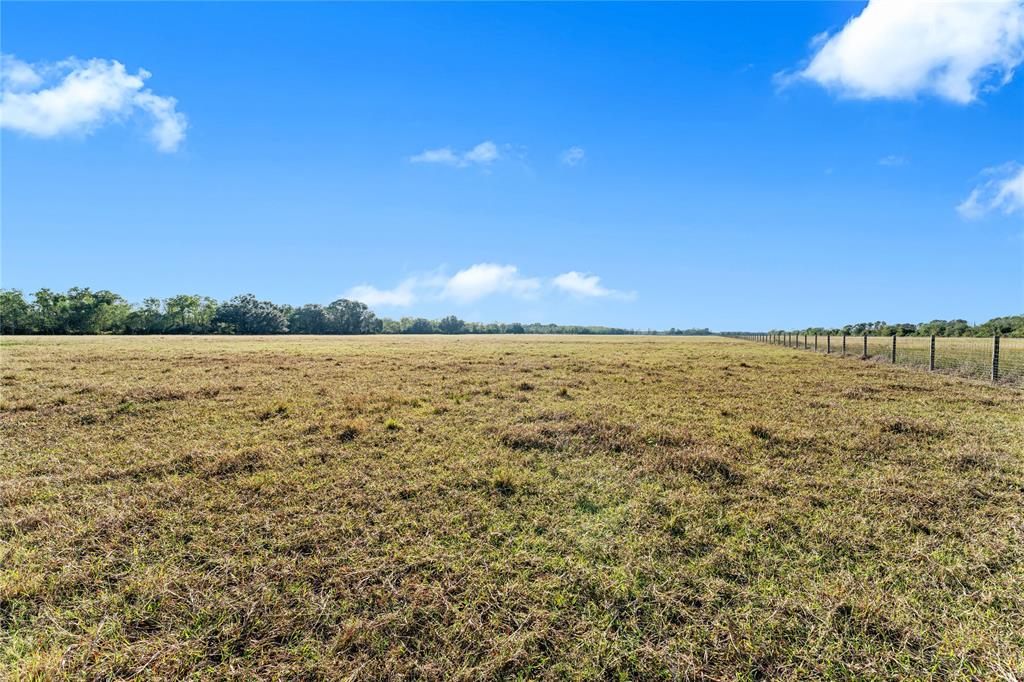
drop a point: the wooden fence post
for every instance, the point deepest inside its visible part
(931, 355)
(815, 343)
(894, 349)
(864, 356)
(844, 345)
(995, 358)
(828, 344)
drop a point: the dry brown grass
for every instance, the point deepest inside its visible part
(502, 507)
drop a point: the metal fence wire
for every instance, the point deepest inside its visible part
(997, 359)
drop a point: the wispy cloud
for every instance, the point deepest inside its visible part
(77, 97)
(573, 156)
(483, 154)
(465, 286)
(484, 279)
(588, 286)
(402, 296)
(901, 49)
(479, 281)
(1001, 191)
(893, 160)
(442, 155)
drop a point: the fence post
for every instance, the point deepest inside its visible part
(844, 345)
(931, 355)
(894, 349)
(864, 356)
(815, 343)
(995, 358)
(828, 344)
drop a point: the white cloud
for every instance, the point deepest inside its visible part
(479, 281)
(77, 97)
(892, 160)
(573, 156)
(483, 154)
(587, 286)
(1002, 191)
(465, 286)
(484, 279)
(402, 296)
(442, 155)
(901, 48)
(17, 75)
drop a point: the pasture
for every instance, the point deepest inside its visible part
(495, 507)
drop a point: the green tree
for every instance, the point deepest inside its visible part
(309, 319)
(245, 314)
(417, 325)
(451, 325)
(188, 314)
(15, 313)
(352, 317)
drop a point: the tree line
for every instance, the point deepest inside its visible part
(1011, 325)
(84, 311)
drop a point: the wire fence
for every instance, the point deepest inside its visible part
(997, 359)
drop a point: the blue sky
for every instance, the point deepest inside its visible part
(738, 166)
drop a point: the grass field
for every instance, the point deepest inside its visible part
(495, 507)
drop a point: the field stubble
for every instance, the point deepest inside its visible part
(467, 507)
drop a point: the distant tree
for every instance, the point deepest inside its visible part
(451, 325)
(309, 319)
(80, 311)
(352, 317)
(417, 325)
(245, 314)
(50, 310)
(15, 313)
(188, 314)
(145, 319)
(1003, 326)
